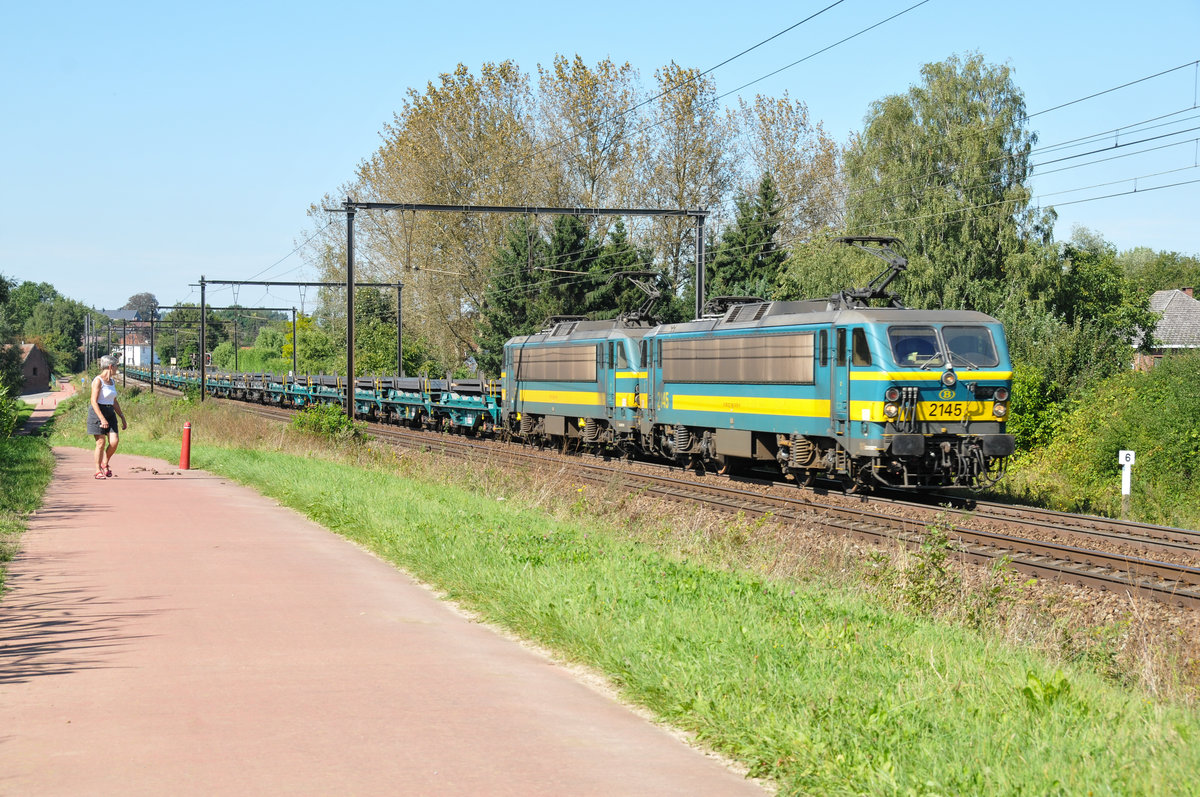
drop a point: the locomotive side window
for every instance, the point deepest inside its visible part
(841, 347)
(622, 360)
(915, 347)
(824, 347)
(862, 352)
(645, 363)
(558, 363)
(757, 359)
(970, 346)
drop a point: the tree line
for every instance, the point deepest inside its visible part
(945, 167)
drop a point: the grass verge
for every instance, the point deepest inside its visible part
(810, 681)
(26, 465)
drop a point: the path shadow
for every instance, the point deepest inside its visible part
(59, 631)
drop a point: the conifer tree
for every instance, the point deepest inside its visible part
(514, 303)
(747, 261)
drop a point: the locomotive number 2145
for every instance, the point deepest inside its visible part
(946, 409)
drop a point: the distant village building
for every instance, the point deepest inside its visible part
(1178, 328)
(134, 351)
(35, 368)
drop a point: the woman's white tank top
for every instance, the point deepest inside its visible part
(108, 393)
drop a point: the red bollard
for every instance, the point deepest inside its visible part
(185, 453)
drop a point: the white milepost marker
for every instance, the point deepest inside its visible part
(1125, 460)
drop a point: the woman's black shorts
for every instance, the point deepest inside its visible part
(93, 421)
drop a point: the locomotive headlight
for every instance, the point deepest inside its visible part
(1001, 394)
(949, 378)
(892, 394)
(999, 410)
(891, 410)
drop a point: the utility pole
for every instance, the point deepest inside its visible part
(152, 352)
(203, 370)
(399, 334)
(699, 267)
(349, 312)
(295, 343)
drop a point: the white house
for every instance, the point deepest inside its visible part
(134, 352)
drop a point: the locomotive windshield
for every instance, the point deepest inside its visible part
(917, 347)
(970, 346)
(922, 347)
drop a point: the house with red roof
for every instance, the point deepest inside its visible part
(35, 368)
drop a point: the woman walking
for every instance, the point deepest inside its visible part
(103, 412)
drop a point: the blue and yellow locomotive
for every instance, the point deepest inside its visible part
(833, 388)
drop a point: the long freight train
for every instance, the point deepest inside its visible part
(833, 388)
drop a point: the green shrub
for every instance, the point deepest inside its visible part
(1154, 413)
(329, 420)
(9, 413)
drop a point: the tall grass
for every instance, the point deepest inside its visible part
(26, 466)
(810, 679)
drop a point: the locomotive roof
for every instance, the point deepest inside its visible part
(762, 315)
(567, 331)
(775, 314)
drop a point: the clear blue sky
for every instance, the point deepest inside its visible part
(145, 144)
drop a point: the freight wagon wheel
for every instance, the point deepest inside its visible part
(730, 466)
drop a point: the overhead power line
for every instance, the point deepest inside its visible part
(1116, 88)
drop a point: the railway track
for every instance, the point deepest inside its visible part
(1108, 555)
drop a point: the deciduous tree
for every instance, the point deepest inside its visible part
(780, 140)
(466, 139)
(944, 167)
(144, 304)
(690, 162)
(589, 128)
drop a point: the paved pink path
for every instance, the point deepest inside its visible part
(45, 405)
(177, 634)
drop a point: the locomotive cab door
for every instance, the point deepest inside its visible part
(610, 378)
(840, 400)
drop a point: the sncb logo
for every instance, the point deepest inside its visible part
(946, 394)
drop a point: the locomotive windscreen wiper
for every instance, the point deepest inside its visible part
(967, 361)
(937, 356)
